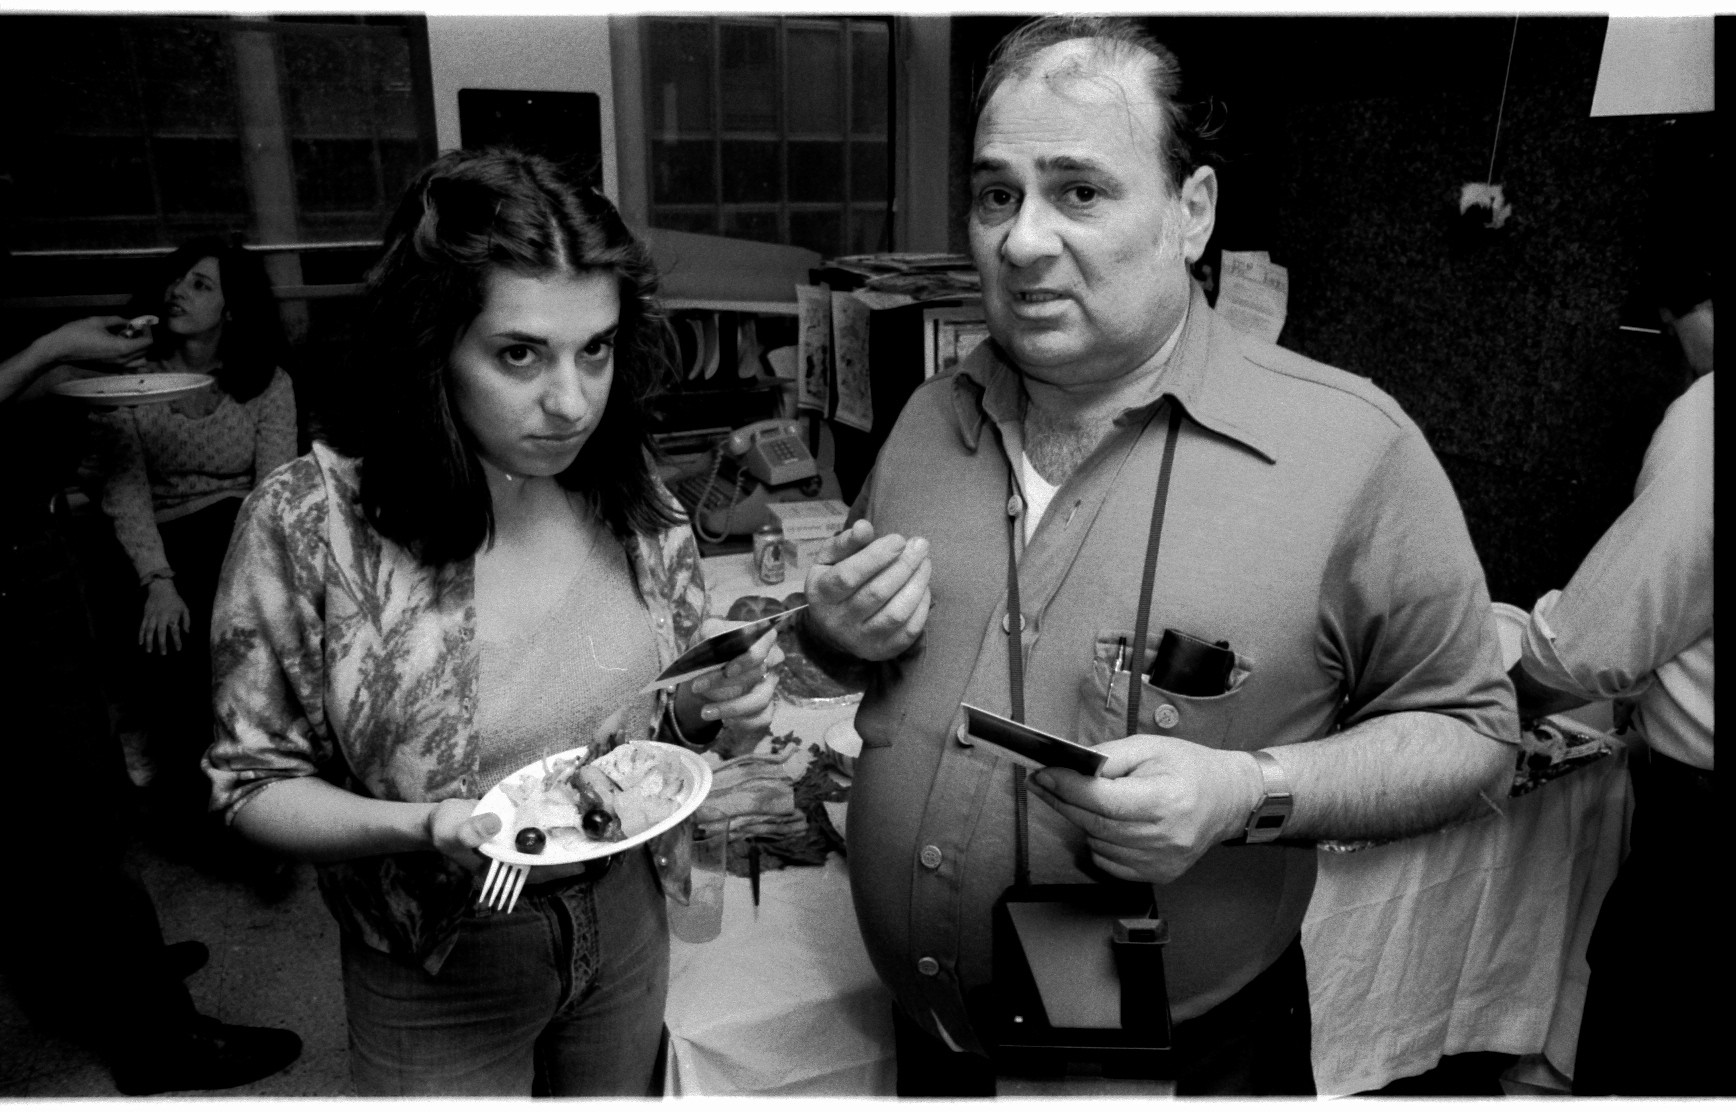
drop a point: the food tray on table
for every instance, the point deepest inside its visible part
(648, 786)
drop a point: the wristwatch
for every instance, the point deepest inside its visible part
(1266, 821)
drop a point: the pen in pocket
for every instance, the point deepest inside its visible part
(1120, 663)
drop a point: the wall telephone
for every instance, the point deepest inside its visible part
(752, 467)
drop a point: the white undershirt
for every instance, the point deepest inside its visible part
(1039, 492)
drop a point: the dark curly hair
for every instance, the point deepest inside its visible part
(252, 340)
(1190, 126)
(468, 214)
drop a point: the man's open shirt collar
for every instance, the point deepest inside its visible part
(987, 385)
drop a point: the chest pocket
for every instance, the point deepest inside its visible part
(1204, 720)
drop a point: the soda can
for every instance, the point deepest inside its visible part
(768, 553)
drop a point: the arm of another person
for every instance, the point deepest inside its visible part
(126, 499)
(274, 437)
(268, 677)
(88, 338)
(1644, 592)
(1429, 718)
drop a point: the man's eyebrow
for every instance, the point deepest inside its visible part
(1065, 163)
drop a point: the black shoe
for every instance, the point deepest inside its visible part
(211, 1055)
(183, 959)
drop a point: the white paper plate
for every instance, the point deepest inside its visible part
(695, 771)
(132, 389)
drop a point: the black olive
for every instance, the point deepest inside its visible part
(530, 840)
(599, 824)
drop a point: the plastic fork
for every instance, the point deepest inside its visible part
(500, 888)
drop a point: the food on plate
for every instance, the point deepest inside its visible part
(585, 798)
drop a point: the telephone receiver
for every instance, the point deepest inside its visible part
(772, 452)
(750, 463)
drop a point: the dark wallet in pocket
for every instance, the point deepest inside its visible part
(1186, 665)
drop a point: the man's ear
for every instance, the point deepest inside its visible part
(1199, 205)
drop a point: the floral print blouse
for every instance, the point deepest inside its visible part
(336, 653)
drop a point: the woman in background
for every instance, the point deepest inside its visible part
(490, 573)
(174, 476)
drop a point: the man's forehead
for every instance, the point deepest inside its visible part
(1089, 71)
(1078, 78)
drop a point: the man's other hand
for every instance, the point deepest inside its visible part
(1157, 806)
(869, 596)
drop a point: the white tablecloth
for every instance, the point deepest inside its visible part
(1470, 939)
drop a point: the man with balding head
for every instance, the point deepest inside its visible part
(1118, 475)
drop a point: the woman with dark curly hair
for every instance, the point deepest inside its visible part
(174, 475)
(488, 571)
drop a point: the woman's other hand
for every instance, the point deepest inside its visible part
(739, 694)
(166, 617)
(456, 830)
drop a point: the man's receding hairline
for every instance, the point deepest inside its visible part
(1087, 65)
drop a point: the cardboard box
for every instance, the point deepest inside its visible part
(806, 521)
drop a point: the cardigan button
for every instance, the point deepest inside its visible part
(928, 967)
(931, 857)
(1168, 716)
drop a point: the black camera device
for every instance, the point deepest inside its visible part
(1078, 988)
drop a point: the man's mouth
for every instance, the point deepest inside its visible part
(1035, 297)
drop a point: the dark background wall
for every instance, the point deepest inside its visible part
(1346, 141)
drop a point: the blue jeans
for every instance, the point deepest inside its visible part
(564, 996)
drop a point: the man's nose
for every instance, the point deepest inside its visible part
(1032, 236)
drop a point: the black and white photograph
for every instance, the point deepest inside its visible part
(1287, 431)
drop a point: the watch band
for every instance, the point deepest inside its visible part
(1266, 821)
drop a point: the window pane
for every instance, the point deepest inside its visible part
(96, 93)
(76, 175)
(394, 92)
(678, 68)
(187, 81)
(868, 230)
(335, 174)
(752, 224)
(868, 171)
(399, 161)
(816, 66)
(685, 221)
(330, 84)
(748, 75)
(750, 170)
(681, 171)
(818, 231)
(201, 176)
(870, 51)
(816, 171)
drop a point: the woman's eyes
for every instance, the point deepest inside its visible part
(520, 356)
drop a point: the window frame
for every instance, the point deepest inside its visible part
(718, 209)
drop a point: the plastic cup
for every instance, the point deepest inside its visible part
(700, 918)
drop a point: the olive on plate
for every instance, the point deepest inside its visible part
(530, 840)
(599, 824)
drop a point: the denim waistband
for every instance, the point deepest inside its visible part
(594, 870)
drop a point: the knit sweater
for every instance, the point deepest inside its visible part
(162, 462)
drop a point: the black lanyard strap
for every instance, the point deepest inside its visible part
(1015, 627)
